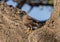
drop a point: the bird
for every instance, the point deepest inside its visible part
(27, 20)
(31, 22)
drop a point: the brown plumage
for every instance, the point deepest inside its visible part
(31, 23)
(27, 20)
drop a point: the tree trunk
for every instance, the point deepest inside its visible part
(51, 28)
(56, 9)
(55, 12)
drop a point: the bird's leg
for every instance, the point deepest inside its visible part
(29, 29)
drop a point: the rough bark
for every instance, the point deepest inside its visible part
(52, 25)
(12, 28)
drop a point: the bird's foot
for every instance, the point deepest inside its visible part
(29, 30)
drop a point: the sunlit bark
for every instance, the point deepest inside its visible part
(56, 9)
